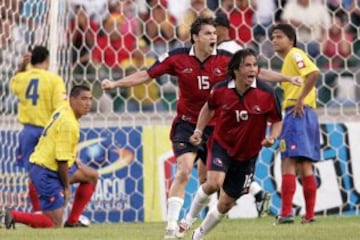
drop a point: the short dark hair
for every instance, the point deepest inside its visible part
(196, 26)
(238, 58)
(287, 29)
(39, 54)
(77, 89)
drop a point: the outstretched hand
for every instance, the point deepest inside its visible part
(296, 80)
(107, 84)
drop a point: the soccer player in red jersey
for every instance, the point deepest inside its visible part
(198, 69)
(245, 106)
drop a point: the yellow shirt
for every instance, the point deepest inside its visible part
(58, 141)
(297, 63)
(147, 93)
(40, 93)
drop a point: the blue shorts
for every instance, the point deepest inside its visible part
(300, 137)
(49, 186)
(28, 138)
(181, 132)
(238, 176)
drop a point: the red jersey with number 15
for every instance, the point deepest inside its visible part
(195, 78)
(242, 123)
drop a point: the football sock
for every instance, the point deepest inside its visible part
(309, 188)
(199, 201)
(34, 198)
(82, 197)
(288, 187)
(255, 188)
(174, 207)
(211, 220)
(34, 220)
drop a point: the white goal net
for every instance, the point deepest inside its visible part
(126, 136)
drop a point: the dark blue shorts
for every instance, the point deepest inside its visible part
(238, 176)
(181, 132)
(28, 138)
(300, 137)
(49, 186)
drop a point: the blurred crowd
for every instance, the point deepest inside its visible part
(113, 38)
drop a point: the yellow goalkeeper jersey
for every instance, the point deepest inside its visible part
(59, 140)
(40, 93)
(297, 63)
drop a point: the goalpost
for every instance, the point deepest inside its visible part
(126, 136)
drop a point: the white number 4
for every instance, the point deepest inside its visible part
(203, 82)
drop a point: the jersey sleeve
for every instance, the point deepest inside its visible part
(65, 141)
(13, 83)
(303, 63)
(163, 65)
(213, 100)
(275, 113)
(59, 92)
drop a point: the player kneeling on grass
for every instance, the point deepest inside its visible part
(54, 168)
(244, 106)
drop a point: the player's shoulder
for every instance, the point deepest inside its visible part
(222, 85)
(264, 86)
(224, 52)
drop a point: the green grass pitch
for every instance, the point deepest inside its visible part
(326, 228)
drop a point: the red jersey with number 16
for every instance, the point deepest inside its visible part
(242, 123)
(195, 78)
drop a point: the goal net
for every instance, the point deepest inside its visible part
(126, 135)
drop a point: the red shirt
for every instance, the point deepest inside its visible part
(241, 125)
(195, 78)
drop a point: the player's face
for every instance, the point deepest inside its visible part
(206, 39)
(82, 103)
(248, 70)
(281, 43)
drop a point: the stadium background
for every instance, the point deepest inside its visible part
(126, 135)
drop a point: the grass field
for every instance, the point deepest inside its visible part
(326, 228)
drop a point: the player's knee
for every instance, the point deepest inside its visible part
(183, 175)
(94, 176)
(211, 186)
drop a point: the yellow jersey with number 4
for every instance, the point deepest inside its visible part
(40, 93)
(297, 63)
(59, 140)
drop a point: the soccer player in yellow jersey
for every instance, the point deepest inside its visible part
(300, 138)
(40, 92)
(54, 167)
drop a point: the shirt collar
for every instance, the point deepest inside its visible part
(231, 84)
(192, 51)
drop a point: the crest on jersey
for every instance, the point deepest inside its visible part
(257, 108)
(217, 72)
(299, 60)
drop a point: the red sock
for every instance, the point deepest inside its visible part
(34, 198)
(82, 197)
(34, 220)
(309, 189)
(288, 187)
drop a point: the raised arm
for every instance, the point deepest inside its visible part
(128, 81)
(272, 76)
(204, 118)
